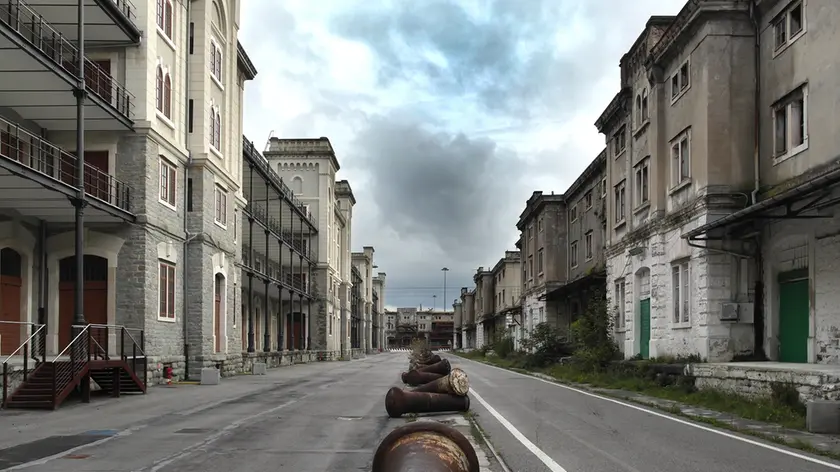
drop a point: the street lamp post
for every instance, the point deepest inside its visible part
(444, 270)
(434, 302)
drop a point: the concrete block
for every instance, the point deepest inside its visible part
(823, 417)
(259, 368)
(211, 376)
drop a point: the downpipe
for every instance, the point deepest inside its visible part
(187, 236)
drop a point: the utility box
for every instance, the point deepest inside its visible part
(258, 368)
(823, 417)
(211, 376)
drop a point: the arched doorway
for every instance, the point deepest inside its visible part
(11, 268)
(243, 327)
(95, 294)
(218, 314)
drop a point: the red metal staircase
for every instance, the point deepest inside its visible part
(87, 358)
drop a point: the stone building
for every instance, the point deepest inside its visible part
(379, 310)
(469, 335)
(586, 228)
(310, 167)
(507, 303)
(458, 319)
(483, 302)
(363, 261)
(159, 124)
(543, 246)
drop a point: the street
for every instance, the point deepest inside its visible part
(331, 417)
(577, 432)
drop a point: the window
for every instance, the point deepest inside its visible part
(681, 294)
(573, 254)
(790, 130)
(168, 182)
(164, 17)
(573, 213)
(604, 188)
(587, 198)
(789, 25)
(540, 225)
(215, 61)
(215, 128)
(619, 299)
(531, 265)
(540, 261)
(221, 206)
(680, 159)
(163, 92)
(588, 245)
(166, 292)
(619, 141)
(680, 81)
(619, 202)
(641, 107)
(642, 182)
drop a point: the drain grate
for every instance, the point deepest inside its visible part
(193, 431)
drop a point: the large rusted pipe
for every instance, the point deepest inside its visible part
(456, 383)
(399, 402)
(443, 367)
(425, 446)
(428, 360)
(415, 377)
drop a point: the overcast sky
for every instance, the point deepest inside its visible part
(445, 114)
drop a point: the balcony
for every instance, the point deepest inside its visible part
(297, 241)
(40, 70)
(37, 177)
(288, 277)
(107, 22)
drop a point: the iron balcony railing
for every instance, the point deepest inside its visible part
(258, 160)
(32, 27)
(127, 9)
(272, 270)
(297, 242)
(19, 145)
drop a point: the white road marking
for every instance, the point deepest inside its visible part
(541, 455)
(770, 447)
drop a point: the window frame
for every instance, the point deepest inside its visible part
(588, 246)
(641, 175)
(677, 182)
(587, 198)
(680, 83)
(167, 280)
(168, 191)
(216, 63)
(620, 293)
(216, 129)
(784, 19)
(620, 201)
(574, 213)
(165, 19)
(220, 204)
(573, 260)
(619, 141)
(681, 293)
(786, 106)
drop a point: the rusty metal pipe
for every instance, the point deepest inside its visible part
(443, 367)
(456, 383)
(399, 402)
(425, 446)
(415, 377)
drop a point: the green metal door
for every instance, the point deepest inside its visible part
(793, 321)
(644, 328)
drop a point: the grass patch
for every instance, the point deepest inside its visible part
(781, 408)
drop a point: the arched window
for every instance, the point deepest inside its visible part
(216, 128)
(159, 88)
(167, 96)
(639, 117)
(164, 17)
(645, 104)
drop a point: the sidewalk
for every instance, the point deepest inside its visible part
(118, 414)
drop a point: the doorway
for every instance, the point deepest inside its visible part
(11, 269)
(218, 318)
(794, 316)
(95, 294)
(294, 326)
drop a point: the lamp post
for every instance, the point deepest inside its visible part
(434, 302)
(444, 270)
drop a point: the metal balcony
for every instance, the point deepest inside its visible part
(107, 22)
(37, 177)
(40, 70)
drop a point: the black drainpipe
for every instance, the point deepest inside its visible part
(187, 236)
(758, 307)
(42, 275)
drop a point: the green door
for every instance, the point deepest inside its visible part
(644, 328)
(793, 321)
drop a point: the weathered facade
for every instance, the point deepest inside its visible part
(543, 248)
(457, 337)
(507, 287)
(484, 307)
(363, 261)
(468, 332)
(586, 230)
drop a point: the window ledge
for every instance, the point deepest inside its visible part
(644, 206)
(681, 325)
(641, 129)
(167, 320)
(164, 119)
(220, 224)
(166, 39)
(793, 152)
(620, 224)
(217, 81)
(680, 95)
(621, 153)
(680, 186)
(216, 152)
(788, 44)
(167, 204)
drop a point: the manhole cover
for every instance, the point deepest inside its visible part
(77, 456)
(349, 418)
(193, 430)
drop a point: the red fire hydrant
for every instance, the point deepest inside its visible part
(167, 374)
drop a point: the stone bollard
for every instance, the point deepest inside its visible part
(399, 402)
(443, 367)
(415, 377)
(424, 446)
(456, 383)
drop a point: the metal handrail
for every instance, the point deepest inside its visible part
(142, 351)
(40, 327)
(69, 345)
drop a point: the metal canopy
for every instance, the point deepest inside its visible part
(107, 22)
(37, 78)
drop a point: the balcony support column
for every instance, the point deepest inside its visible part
(293, 345)
(251, 339)
(267, 330)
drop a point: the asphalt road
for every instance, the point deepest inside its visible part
(576, 432)
(316, 418)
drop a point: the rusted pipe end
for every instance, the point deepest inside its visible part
(459, 381)
(425, 446)
(394, 402)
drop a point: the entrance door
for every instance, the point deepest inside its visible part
(644, 328)
(293, 328)
(793, 321)
(217, 313)
(95, 295)
(10, 297)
